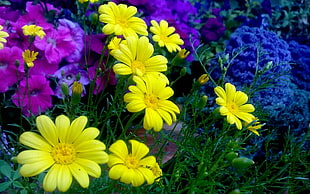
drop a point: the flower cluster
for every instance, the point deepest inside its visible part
(37, 52)
(134, 57)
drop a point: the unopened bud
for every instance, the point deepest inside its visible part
(64, 88)
(77, 90)
(203, 79)
(203, 101)
(242, 163)
(183, 71)
(231, 155)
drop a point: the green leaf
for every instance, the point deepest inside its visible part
(16, 174)
(18, 184)
(6, 170)
(4, 186)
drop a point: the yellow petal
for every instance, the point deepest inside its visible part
(34, 141)
(32, 169)
(100, 157)
(62, 123)
(220, 92)
(247, 117)
(32, 156)
(64, 178)
(138, 150)
(88, 134)
(90, 145)
(114, 160)
(91, 167)
(122, 69)
(147, 174)
(119, 148)
(79, 174)
(230, 92)
(132, 176)
(76, 129)
(117, 171)
(47, 128)
(136, 106)
(50, 179)
(152, 120)
(247, 108)
(240, 98)
(148, 161)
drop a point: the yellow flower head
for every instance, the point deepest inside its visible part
(29, 57)
(165, 36)
(77, 88)
(136, 58)
(253, 127)
(66, 149)
(120, 20)
(157, 171)
(33, 30)
(151, 94)
(131, 167)
(233, 105)
(3, 35)
(183, 53)
(115, 42)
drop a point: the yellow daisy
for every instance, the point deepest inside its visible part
(3, 35)
(253, 127)
(33, 30)
(233, 105)
(165, 36)
(120, 20)
(29, 57)
(136, 58)
(66, 149)
(131, 167)
(151, 94)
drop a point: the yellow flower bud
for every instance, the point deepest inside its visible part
(77, 90)
(203, 79)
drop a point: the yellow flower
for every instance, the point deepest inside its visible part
(29, 57)
(120, 20)
(33, 30)
(151, 94)
(254, 127)
(157, 171)
(233, 105)
(136, 58)
(3, 35)
(165, 36)
(183, 53)
(131, 167)
(67, 149)
(115, 42)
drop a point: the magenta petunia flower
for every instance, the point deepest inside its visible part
(57, 44)
(10, 71)
(34, 97)
(77, 34)
(42, 67)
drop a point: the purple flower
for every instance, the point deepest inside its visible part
(34, 97)
(67, 74)
(10, 72)
(77, 34)
(212, 30)
(57, 44)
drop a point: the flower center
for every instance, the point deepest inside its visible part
(34, 92)
(3, 65)
(131, 162)
(138, 67)
(232, 107)
(122, 22)
(151, 101)
(64, 153)
(51, 41)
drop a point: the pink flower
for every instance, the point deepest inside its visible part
(36, 98)
(57, 44)
(42, 67)
(77, 34)
(10, 73)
